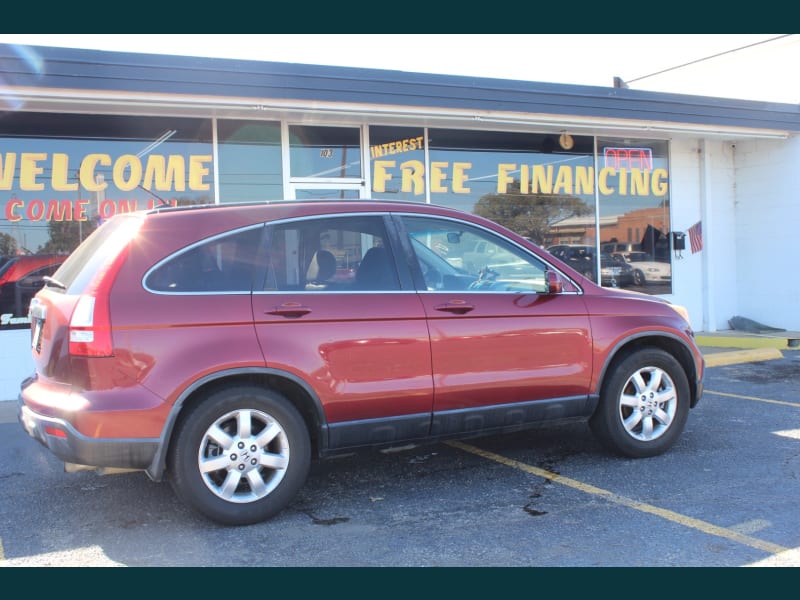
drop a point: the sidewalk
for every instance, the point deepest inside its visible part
(730, 347)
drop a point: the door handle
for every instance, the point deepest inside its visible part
(290, 310)
(458, 307)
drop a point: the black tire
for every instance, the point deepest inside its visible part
(644, 404)
(638, 277)
(240, 456)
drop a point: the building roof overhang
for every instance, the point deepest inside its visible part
(60, 79)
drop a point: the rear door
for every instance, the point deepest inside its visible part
(358, 336)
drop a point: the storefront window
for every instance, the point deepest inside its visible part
(61, 175)
(250, 165)
(545, 188)
(397, 157)
(633, 186)
(526, 182)
(325, 152)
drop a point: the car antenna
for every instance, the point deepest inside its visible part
(161, 201)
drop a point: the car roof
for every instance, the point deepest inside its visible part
(318, 206)
(226, 217)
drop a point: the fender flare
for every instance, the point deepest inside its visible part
(694, 383)
(156, 468)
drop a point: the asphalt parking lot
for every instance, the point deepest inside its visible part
(724, 496)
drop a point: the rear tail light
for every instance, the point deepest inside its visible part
(90, 325)
(90, 328)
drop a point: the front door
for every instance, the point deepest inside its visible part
(497, 336)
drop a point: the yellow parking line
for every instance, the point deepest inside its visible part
(669, 515)
(756, 398)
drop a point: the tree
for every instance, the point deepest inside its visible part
(8, 245)
(530, 215)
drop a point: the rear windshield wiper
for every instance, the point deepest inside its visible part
(54, 282)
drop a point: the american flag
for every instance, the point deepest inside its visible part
(696, 237)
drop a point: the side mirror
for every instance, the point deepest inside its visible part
(555, 285)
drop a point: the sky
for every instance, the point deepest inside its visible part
(745, 66)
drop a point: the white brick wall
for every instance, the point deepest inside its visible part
(747, 197)
(685, 203)
(767, 227)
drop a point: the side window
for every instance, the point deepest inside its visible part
(330, 254)
(222, 264)
(454, 256)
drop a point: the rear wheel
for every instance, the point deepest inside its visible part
(643, 404)
(240, 456)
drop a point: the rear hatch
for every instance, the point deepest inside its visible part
(70, 315)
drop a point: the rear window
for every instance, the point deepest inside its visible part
(223, 264)
(97, 250)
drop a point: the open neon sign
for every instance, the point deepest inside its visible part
(628, 158)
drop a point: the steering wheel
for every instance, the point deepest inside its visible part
(485, 278)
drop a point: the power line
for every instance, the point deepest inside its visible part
(620, 83)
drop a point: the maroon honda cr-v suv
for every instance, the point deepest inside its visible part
(224, 347)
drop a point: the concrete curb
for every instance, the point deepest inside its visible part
(744, 341)
(719, 359)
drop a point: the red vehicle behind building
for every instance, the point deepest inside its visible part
(20, 278)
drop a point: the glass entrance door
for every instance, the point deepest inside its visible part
(325, 163)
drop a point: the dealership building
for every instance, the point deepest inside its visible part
(703, 188)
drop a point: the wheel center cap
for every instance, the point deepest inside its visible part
(244, 456)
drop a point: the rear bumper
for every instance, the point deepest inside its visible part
(70, 446)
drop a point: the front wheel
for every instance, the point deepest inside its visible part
(240, 456)
(643, 404)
